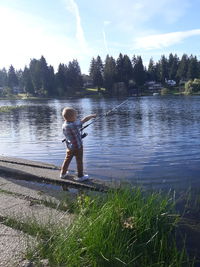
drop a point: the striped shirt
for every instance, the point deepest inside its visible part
(71, 131)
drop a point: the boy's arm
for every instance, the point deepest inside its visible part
(89, 117)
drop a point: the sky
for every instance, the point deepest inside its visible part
(63, 30)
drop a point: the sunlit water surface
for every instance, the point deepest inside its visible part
(153, 141)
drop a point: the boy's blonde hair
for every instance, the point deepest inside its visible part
(68, 113)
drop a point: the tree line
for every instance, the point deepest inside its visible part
(40, 79)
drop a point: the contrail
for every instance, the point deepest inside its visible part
(73, 8)
(105, 42)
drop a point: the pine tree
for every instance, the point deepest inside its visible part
(164, 74)
(138, 71)
(193, 68)
(27, 81)
(74, 77)
(173, 66)
(109, 74)
(61, 80)
(120, 68)
(44, 76)
(3, 78)
(182, 68)
(127, 70)
(96, 72)
(35, 73)
(12, 77)
(51, 82)
(151, 72)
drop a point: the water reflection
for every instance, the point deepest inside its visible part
(150, 140)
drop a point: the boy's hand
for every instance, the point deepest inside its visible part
(89, 117)
(93, 116)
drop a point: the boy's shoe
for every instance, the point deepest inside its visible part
(81, 179)
(63, 176)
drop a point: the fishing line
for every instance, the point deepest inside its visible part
(83, 135)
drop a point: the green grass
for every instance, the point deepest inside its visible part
(121, 228)
(10, 108)
(95, 89)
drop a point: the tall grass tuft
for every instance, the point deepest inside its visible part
(122, 228)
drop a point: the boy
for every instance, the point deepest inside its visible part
(71, 129)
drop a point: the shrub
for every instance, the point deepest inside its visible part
(165, 91)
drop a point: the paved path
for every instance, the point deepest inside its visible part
(25, 204)
(44, 173)
(13, 245)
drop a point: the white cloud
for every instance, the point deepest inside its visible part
(159, 41)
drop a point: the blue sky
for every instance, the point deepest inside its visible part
(62, 30)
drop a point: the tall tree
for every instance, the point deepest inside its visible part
(151, 72)
(12, 77)
(120, 68)
(173, 66)
(35, 72)
(127, 70)
(96, 72)
(44, 76)
(164, 74)
(51, 81)
(138, 71)
(27, 81)
(109, 73)
(61, 79)
(193, 68)
(182, 68)
(75, 81)
(3, 78)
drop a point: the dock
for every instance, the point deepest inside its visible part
(28, 170)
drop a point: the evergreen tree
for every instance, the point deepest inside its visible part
(12, 77)
(127, 70)
(19, 74)
(35, 73)
(3, 78)
(27, 81)
(61, 79)
(120, 68)
(151, 72)
(44, 76)
(182, 68)
(164, 74)
(51, 82)
(74, 76)
(173, 66)
(138, 71)
(109, 73)
(96, 72)
(193, 68)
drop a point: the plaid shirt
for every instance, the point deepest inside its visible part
(71, 131)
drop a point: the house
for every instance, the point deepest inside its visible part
(170, 82)
(153, 86)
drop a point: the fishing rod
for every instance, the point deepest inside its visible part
(104, 115)
(83, 135)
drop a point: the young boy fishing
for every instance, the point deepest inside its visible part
(71, 130)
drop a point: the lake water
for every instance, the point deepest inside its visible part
(149, 140)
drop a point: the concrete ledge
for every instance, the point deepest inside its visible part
(44, 173)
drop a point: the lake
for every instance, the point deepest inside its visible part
(154, 141)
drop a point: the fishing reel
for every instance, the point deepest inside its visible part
(84, 135)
